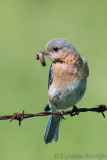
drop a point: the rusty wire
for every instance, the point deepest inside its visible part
(22, 116)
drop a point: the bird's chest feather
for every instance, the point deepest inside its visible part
(68, 96)
(67, 87)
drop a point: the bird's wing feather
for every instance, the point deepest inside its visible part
(87, 68)
(50, 76)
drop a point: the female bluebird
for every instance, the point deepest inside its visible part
(67, 81)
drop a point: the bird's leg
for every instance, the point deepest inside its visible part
(75, 111)
(61, 111)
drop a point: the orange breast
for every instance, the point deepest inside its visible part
(69, 71)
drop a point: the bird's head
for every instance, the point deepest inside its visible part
(58, 49)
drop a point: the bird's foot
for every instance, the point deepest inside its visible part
(62, 111)
(75, 111)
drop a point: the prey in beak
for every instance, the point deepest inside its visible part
(40, 56)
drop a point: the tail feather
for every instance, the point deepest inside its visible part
(57, 130)
(52, 128)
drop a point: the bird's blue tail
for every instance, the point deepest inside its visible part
(52, 128)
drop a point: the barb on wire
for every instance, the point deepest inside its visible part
(73, 112)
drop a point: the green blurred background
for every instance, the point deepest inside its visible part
(25, 27)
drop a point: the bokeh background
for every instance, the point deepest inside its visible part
(25, 27)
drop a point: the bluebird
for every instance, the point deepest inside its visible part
(67, 81)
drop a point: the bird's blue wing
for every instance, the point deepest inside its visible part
(54, 120)
(50, 76)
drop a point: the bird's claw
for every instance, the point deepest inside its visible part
(62, 111)
(75, 111)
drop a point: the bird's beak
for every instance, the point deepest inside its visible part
(45, 52)
(40, 56)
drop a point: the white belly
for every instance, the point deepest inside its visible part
(66, 97)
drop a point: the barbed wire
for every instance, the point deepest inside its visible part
(73, 112)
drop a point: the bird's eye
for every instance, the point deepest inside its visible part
(55, 49)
